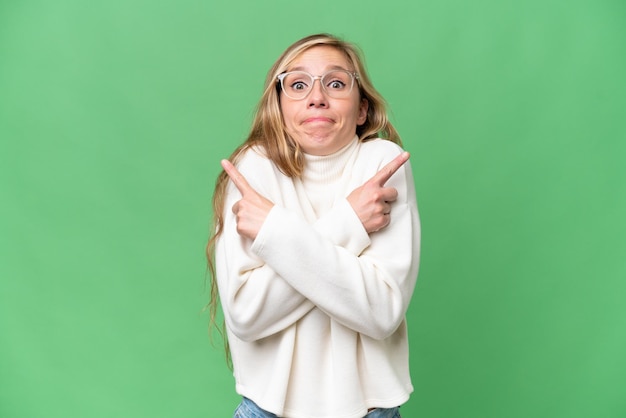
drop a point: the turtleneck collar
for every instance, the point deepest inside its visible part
(327, 168)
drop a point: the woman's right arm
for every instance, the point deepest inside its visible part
(256, 301)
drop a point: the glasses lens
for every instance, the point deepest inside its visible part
(337, 84)
(297, 84)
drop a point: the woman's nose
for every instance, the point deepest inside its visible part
(317, 98)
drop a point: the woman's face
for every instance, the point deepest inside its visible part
(320, 124)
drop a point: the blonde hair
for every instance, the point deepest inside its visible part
(268, 132)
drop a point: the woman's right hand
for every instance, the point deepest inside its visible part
(252, 209)
(372, 201)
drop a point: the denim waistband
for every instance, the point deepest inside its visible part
(248, 409)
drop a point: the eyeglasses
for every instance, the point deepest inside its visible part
(336, 83)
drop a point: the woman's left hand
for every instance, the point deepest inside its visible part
(252, 209)
(372, 200)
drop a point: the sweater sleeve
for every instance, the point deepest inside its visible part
(342, 227)
(366, 289)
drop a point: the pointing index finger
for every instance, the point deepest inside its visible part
(237, 178)
(389, 170)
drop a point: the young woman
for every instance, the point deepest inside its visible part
(316, 245)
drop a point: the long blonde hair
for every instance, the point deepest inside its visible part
(268, 132)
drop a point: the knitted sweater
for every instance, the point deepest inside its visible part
(315, 306)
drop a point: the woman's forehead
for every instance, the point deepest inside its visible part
(320, 58)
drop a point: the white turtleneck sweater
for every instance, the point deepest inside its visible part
(314, 306)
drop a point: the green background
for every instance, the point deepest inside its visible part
(114, 116)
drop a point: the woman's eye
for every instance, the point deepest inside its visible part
(336, 85)
(299, 85)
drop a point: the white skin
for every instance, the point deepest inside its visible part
(321, 125)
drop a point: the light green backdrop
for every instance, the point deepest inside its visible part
(114, 116)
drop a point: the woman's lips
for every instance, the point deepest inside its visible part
(318, 119)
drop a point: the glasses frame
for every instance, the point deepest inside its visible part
(353, 76)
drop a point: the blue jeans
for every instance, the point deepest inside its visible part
(248, 409)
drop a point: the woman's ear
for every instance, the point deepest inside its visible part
(363, 107)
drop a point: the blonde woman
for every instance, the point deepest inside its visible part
(316, 245)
